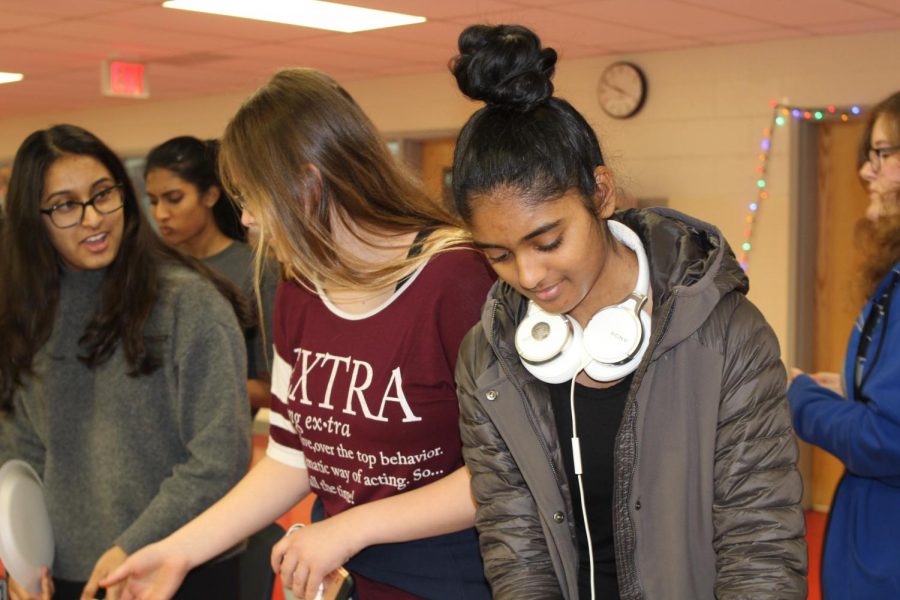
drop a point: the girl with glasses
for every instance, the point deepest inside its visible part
(380, 288)
(623, 410)
(856, 416)
(107, 380)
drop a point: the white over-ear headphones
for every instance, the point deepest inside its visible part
(554, 348)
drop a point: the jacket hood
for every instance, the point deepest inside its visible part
(691, 269)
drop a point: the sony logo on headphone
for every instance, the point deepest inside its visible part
(618, 336)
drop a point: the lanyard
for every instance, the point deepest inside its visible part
(877, 316)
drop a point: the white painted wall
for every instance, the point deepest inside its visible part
(696, 141)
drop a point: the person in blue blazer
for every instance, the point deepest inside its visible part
(856, 417)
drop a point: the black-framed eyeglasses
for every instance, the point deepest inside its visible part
(877, 155)
(70, 213)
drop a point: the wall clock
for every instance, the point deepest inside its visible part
(622, 90)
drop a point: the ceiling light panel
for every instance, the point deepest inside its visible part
(305, 13)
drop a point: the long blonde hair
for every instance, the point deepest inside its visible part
(301, 153)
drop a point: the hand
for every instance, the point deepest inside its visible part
(109, 561)
(832, 381)
(17, 592)
(793, 374)
(305, 557)
(153, 573)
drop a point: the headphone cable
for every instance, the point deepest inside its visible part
(576, 462)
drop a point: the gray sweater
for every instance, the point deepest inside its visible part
(127, 460)
(236, 263)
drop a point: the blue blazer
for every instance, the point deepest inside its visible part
(862, 544)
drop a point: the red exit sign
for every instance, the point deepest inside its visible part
(125, 79)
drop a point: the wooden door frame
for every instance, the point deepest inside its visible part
(803, 215)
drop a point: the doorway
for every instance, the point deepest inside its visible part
(826, 297)
(437, 161)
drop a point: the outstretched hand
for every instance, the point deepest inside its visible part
(153, 573)
(305, 557)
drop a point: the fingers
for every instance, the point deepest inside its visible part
(313, 586)
(117, 575)
(114, 592)
(825, 377)
(306, 581)
(301, 571)
(278, 551)
(287, 567)
(17, 592)
(47, 588)
(90, 589)
(298, 582)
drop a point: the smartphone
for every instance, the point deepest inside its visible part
(338, 585)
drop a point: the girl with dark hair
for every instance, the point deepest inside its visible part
(110, 389)
(623, 404)
(856, 417)
(381, 287)
(200, 220)
(195, 215)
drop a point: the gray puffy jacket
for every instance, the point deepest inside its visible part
(706, 493)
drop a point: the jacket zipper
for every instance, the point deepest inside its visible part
(632, 398)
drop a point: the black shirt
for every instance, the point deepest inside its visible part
(598, 413)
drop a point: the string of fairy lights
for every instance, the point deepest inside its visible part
(781, 115)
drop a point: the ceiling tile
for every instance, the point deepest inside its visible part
(888, 6)
(562, 29)
(127, 39)
(384, 47)
(301, 55)
(742, 37)
(665, 16)
(12, 21)
(802, 13)
(432, 33)
(855, 26)
(59, 9)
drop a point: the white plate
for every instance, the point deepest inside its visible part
(26, 538)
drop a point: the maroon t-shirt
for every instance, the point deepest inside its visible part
(367, 403)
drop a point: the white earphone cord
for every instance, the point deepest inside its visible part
(576, 462)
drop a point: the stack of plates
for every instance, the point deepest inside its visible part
(26, 539)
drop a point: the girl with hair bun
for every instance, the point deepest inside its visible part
(194, 214)
(623, 406)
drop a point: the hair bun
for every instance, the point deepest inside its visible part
(504, 65)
